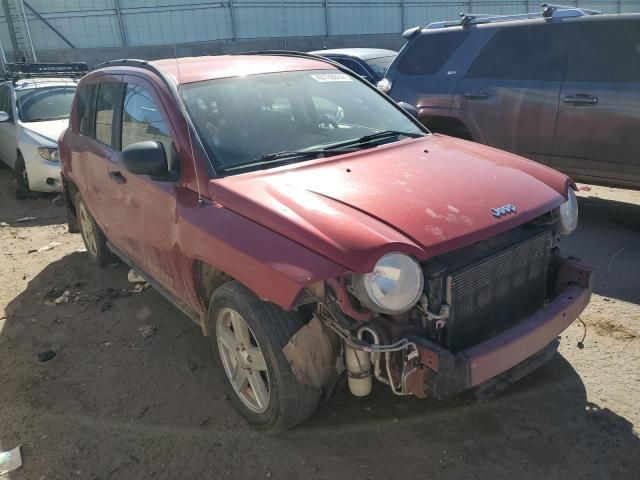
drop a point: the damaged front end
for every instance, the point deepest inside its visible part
(483, 316)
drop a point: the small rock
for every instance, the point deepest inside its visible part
(46, 355)
(268, 475)
(396, 420)
(147, 330)
(64, 298)
(134, 277)
(4, 224)
(81, 250)
(606, 299)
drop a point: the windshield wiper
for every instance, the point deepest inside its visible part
(372, 137)
(283, 157)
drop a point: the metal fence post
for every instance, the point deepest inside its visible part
(325, 5)
(232, 15)
(619, 6)
(26, 27)
(403, 16)
(123, 34)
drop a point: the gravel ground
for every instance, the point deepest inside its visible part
(113, 404)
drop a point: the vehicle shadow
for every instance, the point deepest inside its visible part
(608, 239)
(47, 208)
(114, 404)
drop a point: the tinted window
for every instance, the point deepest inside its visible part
(523, 53)
(84, 106)
(607, 52)
(42, 104)
(429, 52)
(142, 119)
(380, 65)
(106, 106)
(353, 65)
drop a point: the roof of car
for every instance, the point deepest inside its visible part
(26, 83)
(196, 69)
(363, 53)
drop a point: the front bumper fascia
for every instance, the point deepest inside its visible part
(438, 373)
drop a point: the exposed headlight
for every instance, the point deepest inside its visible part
(384, 85)
(568, 213)
(50, 154)
(394, 285)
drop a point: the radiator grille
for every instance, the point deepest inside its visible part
(493, 294)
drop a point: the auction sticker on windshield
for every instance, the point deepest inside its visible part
(330, 77)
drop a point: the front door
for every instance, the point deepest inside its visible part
(8, 143)
(146, 209)
(511, 90)
(597, 138)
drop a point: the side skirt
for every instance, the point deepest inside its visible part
(186, 309)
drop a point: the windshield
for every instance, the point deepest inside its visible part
(41, 104)
(381, 65)
(244, 119)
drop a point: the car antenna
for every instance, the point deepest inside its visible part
(193, 158)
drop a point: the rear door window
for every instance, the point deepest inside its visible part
(606, 52)
(106, 108)
(429, 52)
(534, 52)
(84, 109)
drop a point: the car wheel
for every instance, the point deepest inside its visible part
(248, 336)
(92, 236)
(22, 179)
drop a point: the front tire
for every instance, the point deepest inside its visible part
(22, 179)
(247, 337)
(92, 236)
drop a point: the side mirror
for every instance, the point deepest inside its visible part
(410, 109)
(146, 158)
(4, 117)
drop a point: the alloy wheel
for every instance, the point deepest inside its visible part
(243, 360)
(86, 227)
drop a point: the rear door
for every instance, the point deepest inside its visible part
(511, 90)
(97, 104)
(8, 143)
(598, 133)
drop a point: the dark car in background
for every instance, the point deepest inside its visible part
(561, 87)
(370, 63)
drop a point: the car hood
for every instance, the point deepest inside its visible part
(50, 130)
(424, 197)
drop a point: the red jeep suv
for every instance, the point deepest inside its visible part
(309, 225)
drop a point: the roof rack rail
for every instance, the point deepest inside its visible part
(549, 11)
(17, 71)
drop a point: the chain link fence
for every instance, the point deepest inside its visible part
(60, 24)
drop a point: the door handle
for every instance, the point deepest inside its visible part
(476, 95)
(118, 177)
(580, 99)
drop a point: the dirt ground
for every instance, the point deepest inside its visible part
(112, 404)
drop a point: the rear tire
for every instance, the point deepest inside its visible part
(22, 179)
(92, 236)
(242, 326)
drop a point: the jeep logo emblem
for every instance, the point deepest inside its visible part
(503, 210)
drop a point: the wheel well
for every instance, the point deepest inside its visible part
(448, 126)
(69, 192)
(208, 279)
